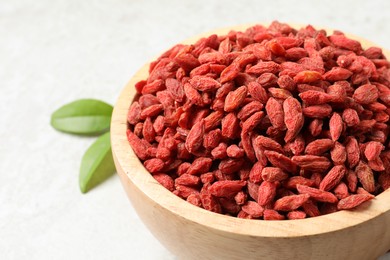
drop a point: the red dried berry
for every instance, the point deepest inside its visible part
(226, 189)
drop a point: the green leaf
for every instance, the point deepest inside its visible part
(84, 117)
(97, 164)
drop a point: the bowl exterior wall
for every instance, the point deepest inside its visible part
(191, 240)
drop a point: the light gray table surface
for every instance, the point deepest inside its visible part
(53, 52)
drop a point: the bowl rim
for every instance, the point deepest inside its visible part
(128, 162)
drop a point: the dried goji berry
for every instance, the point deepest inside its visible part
(353, 201)
(333, 177)
(319, 146)
(226, 189)
(293, 118)
(292, 202)
(317, 194)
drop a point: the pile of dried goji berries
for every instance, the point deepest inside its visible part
(270, 123)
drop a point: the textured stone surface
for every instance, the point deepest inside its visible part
(53, 52)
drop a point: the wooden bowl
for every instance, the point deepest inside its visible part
(190, 232)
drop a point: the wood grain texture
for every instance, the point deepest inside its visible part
(190, 232)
